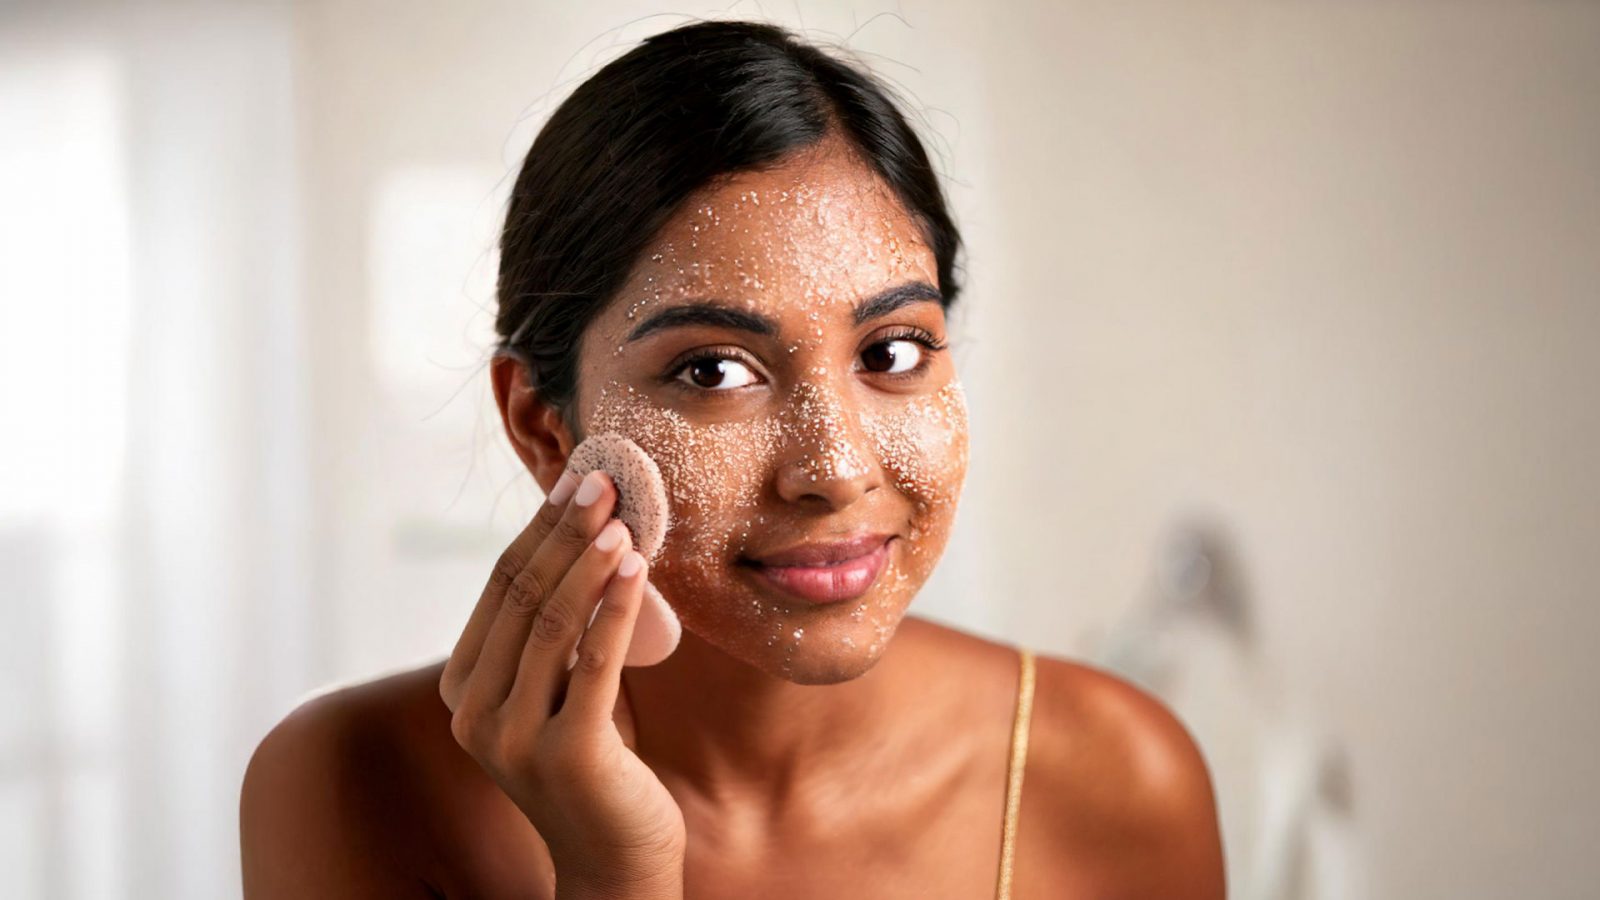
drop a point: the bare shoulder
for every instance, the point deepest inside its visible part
(320, 788)
(1117, 799)
(1120, 781)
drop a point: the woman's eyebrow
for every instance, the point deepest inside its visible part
(887, 301)
(717, 314)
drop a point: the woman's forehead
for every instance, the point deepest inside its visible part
(822, 229)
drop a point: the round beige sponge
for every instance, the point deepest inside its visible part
(642, 505)
(641, 494)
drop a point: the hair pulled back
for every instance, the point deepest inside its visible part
(623, 152)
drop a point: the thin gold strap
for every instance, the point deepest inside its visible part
(1014, 769)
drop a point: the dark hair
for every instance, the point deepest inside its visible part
(631, 143)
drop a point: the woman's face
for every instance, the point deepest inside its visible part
(821, 429)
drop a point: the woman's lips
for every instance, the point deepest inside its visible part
(828, 584)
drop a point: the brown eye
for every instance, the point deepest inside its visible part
(710, 373)
(882, 358)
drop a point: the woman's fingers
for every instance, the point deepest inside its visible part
(495, 671)
(512, 561)
(560, 623)
(592, 691)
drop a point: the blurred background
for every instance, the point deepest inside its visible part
(1279, 341)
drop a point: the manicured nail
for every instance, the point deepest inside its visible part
(610, 536)
(590, 490)
(631, 564)
(565, 485)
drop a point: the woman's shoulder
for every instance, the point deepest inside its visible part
(340, 720)
(1099, 727)
(359, 736)
(361, 787)
(318, 804)
(1089, 729)
(375, 734)
(1112, 771)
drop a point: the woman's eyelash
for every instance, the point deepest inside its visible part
(919, 335)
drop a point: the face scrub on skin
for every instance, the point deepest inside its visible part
(805, 445)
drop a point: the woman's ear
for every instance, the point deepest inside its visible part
(535, 428)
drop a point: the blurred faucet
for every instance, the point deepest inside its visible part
(1284, 787)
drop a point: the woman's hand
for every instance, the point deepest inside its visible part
(546, 732)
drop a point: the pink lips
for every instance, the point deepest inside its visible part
(845, 580)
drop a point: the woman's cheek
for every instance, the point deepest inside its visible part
(924, 446)
(713, 476)
(708, 499)
(715, 473)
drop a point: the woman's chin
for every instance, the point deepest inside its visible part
(818, 666)
(827, 653)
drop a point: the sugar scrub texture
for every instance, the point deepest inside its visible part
(642, 506)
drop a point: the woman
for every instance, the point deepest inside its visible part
(730, 248)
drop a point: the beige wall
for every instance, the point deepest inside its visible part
(1331, 271)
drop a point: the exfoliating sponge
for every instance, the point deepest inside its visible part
(642, 505)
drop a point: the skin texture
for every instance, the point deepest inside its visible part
(847, 749)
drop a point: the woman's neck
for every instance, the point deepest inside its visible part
(737, 736)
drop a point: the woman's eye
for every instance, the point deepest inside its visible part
(712, 373)
(882, 354)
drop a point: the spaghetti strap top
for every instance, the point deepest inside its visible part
(1014, 769)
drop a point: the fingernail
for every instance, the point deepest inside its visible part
(631, 564)
(610, 536)
(590, 490)
(565, 485)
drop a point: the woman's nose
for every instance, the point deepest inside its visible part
(827, 455)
